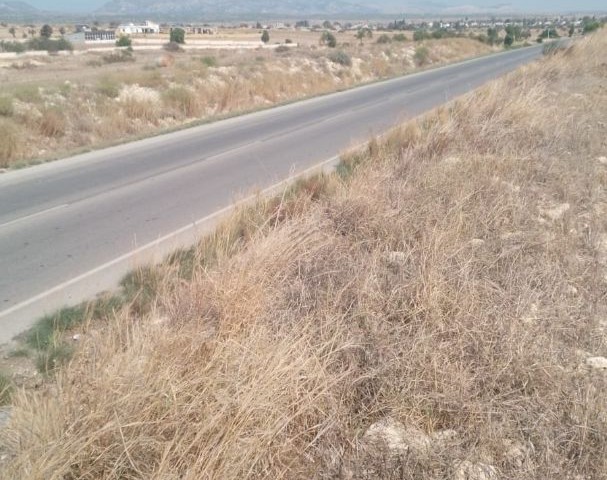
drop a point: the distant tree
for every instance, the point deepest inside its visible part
(258, 26)
(46, 31)
(62, 30)
(571, 30)
(328, 39)
(124, 41)
(265, 36)
(327, 24)
(493, 37)
(508, 40)
(515, 32)
(177, 36)
(363, 33)
(591, 25)
(12, 31)
(384, 39)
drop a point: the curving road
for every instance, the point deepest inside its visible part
(72, 228)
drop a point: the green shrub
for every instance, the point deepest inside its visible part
(183, 100)
(420, 35)
(109, 88)
(177, 36)
(341, 58)
(10, 143)
(124, 41)
(14, 47)
(209, 61)
(421, 56)
(121, 56)
(6, 389)
(7, 108)
(384, 39)
(265, 36)
(28, 93)
(44, 43)
(399, 37)
(328, 39)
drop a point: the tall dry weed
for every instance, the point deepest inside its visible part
(453, 282)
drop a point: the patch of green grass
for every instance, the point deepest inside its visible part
(28, 93)
(7, 108)
(108, 88)
(19, 353)
(140, 288)
(209, 61)
(6, 389)
(42, 335)
(53, 357)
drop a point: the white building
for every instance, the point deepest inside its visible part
(132, 28)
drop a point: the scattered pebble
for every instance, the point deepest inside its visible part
(598, 363)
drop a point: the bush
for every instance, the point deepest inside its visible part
(265, 36)
(399, 37)
(183, 100)
(52, 123)
(177, 36)
(43, 43)
(14, 47)
(119, 57)
(341, 58)
(172, 47)
(10, 143)
(124, 41)
(384, 39)
(421, 56)
(420, 35)
(288, 41)
(282, 49)
(46, 31)
(109, 88)
(552, 48)
(6, 107)
(209, 61)
(328, 39)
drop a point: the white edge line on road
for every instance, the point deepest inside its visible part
(332, 162)
(34, 215)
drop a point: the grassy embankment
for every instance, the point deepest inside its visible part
(435, 310)
(134, 96)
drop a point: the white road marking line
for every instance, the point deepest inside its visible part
(34, 215)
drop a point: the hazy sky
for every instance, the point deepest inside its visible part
(522, 5)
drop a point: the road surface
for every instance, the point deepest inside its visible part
(74, 227)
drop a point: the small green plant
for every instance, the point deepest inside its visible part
(177, 36)
(6, 389)
(209, 61)
(341, 58)
(421, 56)
(13, 47)
(121, 56)
(54, 356)
(109, 88)
(124, 41)
(7, 109)
(265, 36)
(328, 39)
(11, 142)
(49, 45)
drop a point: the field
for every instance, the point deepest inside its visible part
(55, 105)
(435, 309)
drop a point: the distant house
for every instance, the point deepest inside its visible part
(82, 28)
(98, 36)
(132, 28)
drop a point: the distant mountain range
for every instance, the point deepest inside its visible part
(237, 8)
(14, 9)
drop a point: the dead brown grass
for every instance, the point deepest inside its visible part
(455, 281)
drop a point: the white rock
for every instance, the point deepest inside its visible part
(452, 160)
(602, 160)
(76, 337)
(474, 471)
(477, 242)
(599, 363)
(556, 212)
(397, 257)
(393, 436)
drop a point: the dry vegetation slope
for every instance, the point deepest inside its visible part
(148, 94)
(437, 314)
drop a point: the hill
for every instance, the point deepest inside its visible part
(235, 9)
(16, 9)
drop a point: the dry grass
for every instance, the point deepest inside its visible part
(10, 143)
(454, 280)
(191, 86)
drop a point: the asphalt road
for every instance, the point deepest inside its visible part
(72, 228)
